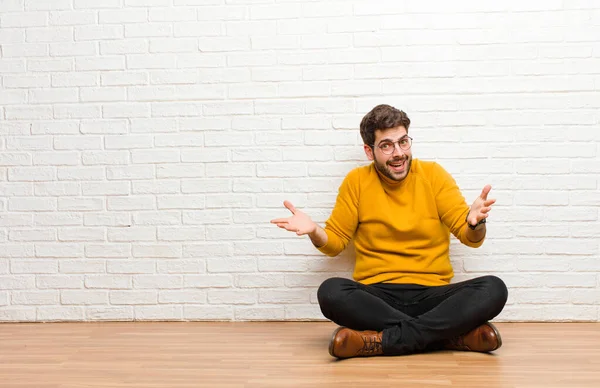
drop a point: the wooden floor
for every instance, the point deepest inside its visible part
(192, 354)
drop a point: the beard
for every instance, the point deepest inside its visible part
(387, 169)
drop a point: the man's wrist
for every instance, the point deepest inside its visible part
(318, 236)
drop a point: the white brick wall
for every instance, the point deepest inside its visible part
(145, 145)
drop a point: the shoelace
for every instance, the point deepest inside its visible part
(371, 345)
(457, 342)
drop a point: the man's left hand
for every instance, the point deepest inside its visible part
(481, 207)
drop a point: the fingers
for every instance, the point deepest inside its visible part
(289, 206)
(479, 211)
(479, 215)
(485, 192)
(286, 226)
(489, 202)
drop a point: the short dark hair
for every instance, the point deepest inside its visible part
(381, 117)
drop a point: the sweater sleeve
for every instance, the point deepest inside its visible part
(451, 205)
(342, 224)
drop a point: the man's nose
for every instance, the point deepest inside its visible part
(397, 149)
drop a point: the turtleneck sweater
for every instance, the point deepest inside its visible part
(400, 230)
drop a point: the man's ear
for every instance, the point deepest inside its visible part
(369, 152)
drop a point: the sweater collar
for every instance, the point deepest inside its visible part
(390, 183)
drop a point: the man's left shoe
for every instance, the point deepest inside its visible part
(484, 338)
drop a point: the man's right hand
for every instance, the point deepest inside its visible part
(299, 222)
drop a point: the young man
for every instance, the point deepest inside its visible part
(400, 213)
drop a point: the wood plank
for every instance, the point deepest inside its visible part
(280, 354)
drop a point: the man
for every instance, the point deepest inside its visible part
(400, 213)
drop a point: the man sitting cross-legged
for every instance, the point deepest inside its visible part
(400, 213)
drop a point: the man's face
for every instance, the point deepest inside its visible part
(396, 165)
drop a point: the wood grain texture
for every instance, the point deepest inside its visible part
(280, 354)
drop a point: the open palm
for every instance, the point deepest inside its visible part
(481, 206)
(299, 222)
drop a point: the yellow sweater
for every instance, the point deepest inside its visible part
(401, 230)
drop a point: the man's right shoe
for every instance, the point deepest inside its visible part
(346, 343)
(484, 338)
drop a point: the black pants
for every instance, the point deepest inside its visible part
(413, 318)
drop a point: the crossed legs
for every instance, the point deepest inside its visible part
(412, 318)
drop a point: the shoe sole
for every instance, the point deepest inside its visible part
(497, 335)
(332, 343)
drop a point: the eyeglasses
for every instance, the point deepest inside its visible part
(388, 147)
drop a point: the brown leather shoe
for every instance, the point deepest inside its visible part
(346, 343)
(484, 338)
